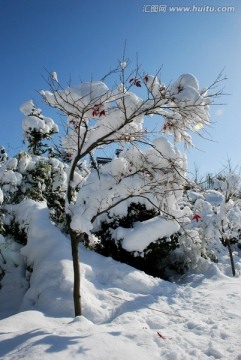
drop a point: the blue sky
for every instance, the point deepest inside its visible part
(84, 39)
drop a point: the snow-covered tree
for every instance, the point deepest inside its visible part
(29, 173)
(34, 177)
(27, 176)
(36, 128)
(151, 170)
(230, 211)
(217, 217)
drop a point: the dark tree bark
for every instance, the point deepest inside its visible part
(76, 268)
(231, 256)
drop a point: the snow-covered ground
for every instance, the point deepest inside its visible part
(126, 313)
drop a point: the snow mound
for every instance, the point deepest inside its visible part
(47, 254)
(127, 313)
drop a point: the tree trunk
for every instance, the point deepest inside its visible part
(231, 256)
(76, 267)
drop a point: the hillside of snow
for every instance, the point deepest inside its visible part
(126, 313)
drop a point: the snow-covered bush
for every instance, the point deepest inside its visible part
(9, 251)
(34, 177)
(152, 258)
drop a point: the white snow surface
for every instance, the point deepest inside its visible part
(126, 313)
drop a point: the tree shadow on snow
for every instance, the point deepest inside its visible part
(51, 343)
(138, 303)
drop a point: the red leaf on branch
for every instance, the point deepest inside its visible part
(196, 217)
(102, 113)
(136, 82)
(167, 126)
(95, 113)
